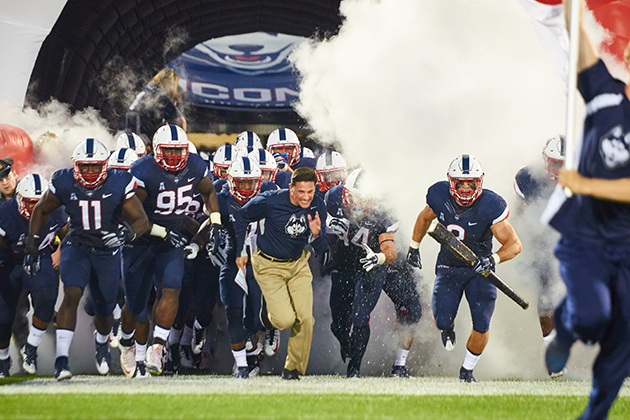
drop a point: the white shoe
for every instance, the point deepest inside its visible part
(115, 335)
(198, 340)
(141, 371)
(103, 358)
(128, 359)
(154, 360)
(272, 342)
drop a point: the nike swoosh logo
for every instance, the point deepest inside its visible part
(191, 179)
(106, 195)
(472, 224)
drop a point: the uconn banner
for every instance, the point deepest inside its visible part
(242, 71)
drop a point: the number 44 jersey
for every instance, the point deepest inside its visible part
(169, 194)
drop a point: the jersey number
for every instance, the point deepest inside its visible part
(457, 230)
(85, 214)
(169, 202)
(361, 237)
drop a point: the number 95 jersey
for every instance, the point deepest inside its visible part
(471, 224)
(169, 194)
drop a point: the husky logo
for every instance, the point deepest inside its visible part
(295, 227)
(613, 147)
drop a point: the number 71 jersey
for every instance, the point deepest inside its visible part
(169, 194)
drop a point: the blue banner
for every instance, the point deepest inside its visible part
(247, 71)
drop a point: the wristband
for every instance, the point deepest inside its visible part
(157, 230)
(381, 258)
(215, 218)
(195, 246)
(496, 258)
(413, 244)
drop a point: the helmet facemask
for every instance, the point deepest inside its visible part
(469, 195)
(328, 178)
(171, 157)
(90, 173)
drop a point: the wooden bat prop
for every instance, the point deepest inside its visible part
(439, 232)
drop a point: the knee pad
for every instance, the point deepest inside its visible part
(409, 315)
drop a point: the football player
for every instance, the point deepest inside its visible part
(248, 139)
(331, 171)
(15, 215)
(131, 141)
(166, 182)
(223, 157)
(285, 147)
(474, 215)
(362, 244)
(95, 198)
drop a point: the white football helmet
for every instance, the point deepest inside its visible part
(266, 162)
(248, 139)
(285, 142)
(244, 179)
(307, 153)
(89, 161)
(122, 159)
(170, 147)
(131, 141)
(28, 192)
(553, 156)
(465, 168)
(331, 170)
(223, 157)
(191, 147)
(353, 196)
(245, 151)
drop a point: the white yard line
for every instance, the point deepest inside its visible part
(85, 384)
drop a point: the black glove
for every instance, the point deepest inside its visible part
(176, 239)
(280, 160)
(483, 265)
(31, 255)
(118, 238)
(413, 257)
(217, 244)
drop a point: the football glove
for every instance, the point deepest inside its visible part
(118, 238)
(176, 239)
(31, 263)
(280, 160)
(413, 257)
(217, 246)
(338, 226)
(483, 265)
(371, 259)
(191, 251)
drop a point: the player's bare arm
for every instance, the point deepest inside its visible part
(423, 221)
(507, 237)
(209, 194)
(46, 205)
(134, 213)
(388, 247)
(604, 189)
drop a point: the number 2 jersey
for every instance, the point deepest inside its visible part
(169, 194)
(364, 228)
(471, 224)
(92, 210)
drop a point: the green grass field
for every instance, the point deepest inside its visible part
(313, 397)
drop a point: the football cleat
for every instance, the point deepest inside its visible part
(291, 375)
(448, 339)
(141, 371)
(466, 375)
(128, 359)
(353, 371)
(556, 356)
(62, 371)
(5, 367)
(242, 372)
(103, 358)
(186, 356)
(198, 340)
(272, 342)
(155, 358)
(29, 358)
(400, 372)
(115, 334)
(171, 365)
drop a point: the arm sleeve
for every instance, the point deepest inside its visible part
(253, 211)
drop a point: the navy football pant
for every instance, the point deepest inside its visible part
(400, 286)
(241, 309)
(597, 309)
(206, 289)
(450, 285)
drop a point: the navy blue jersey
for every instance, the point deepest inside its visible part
(533, 185)
(364, 228)
(471, 224)
(169, 194)
(284, 231)
(219, 184)
(92, 210)
(305, 162)
(14, 229)
(283, 179)
(605, 153)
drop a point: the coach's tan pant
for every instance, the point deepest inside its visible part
(288, 291)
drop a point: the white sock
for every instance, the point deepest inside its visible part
(4, 354)
(125, 336)
(174, 336)
(141, 352)
(161, 332)
(100, 338)
(186, 336)
(35, 336)
(401, 357)
(117, 312)
(470, 360)
(197, 324)
(240, 357)
(64, 339)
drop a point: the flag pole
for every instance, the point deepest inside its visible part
(574, 51)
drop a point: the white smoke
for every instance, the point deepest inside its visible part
(405, 87)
